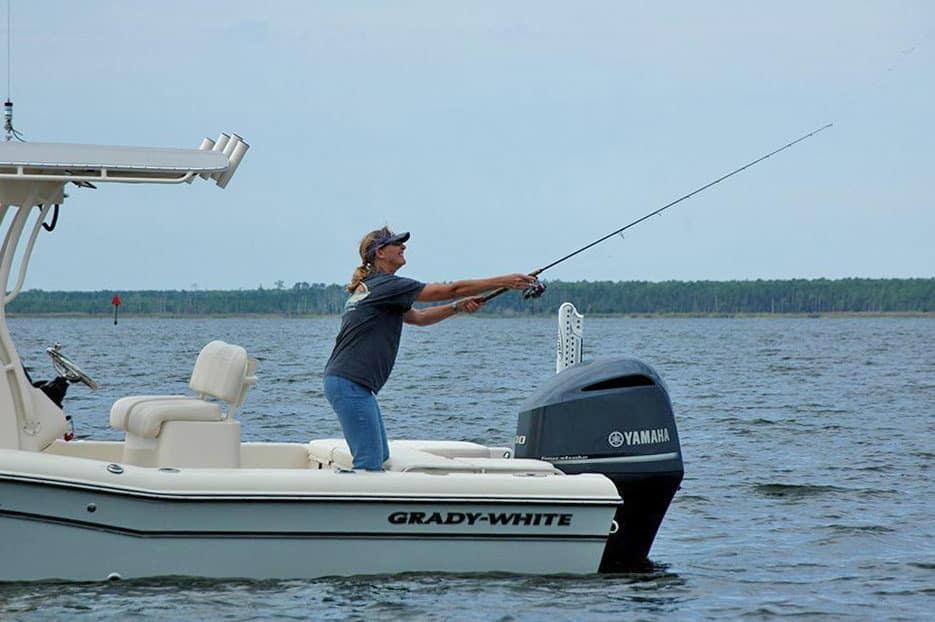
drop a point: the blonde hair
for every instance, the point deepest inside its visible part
(365, 268)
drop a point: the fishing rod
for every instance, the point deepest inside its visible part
(535, 290)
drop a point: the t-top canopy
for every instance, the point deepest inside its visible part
(95, 161)
(36, 173)
(98, 163)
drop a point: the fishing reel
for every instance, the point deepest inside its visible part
(535, 290)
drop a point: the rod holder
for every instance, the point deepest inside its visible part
(240, 149)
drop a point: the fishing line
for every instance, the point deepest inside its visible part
(855, 99)
(536, 289)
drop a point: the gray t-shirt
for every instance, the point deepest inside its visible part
(365, 348)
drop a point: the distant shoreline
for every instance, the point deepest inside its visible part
(661, 316)
(786, 298)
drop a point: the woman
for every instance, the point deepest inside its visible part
(366, 346)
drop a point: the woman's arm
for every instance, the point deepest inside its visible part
(433, 315)
(434, 292)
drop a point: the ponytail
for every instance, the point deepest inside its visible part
(365, 268)
(360, 273)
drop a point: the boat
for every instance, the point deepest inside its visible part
(595, 464)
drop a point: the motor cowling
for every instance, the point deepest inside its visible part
(611, 416)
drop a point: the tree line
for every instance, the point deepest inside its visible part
(795, 296)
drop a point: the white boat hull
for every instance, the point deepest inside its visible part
(69, 518)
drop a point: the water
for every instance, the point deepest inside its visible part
(808, 446)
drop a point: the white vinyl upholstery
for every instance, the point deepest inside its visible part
(222, 371)
(455, 449)
(120, 411)
(431, 457)
(145, 418)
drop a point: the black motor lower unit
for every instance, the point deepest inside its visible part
(610, 416)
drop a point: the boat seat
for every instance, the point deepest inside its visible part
(454, 449)
(408, 456)
(183, 430)
(149, 412)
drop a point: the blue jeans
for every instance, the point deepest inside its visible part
(361, 422)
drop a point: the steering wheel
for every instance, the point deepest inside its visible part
(67, 369)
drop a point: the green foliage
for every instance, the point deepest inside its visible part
(636, 297)
(316, 299)
(798, 296)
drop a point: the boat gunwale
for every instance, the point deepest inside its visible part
(330, 497)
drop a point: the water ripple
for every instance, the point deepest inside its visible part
(807, 444)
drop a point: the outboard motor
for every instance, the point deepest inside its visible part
(610, 416)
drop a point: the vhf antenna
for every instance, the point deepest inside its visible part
(8, 104)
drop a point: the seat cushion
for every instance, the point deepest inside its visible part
(145, 417)
(453, 449)
(330, 451)
(220, 371)
(335, 452)
(122, 407)
(414, 457)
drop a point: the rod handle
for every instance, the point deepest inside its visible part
(494, 294)
(502, 290)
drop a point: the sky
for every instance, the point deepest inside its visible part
(502, 134)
